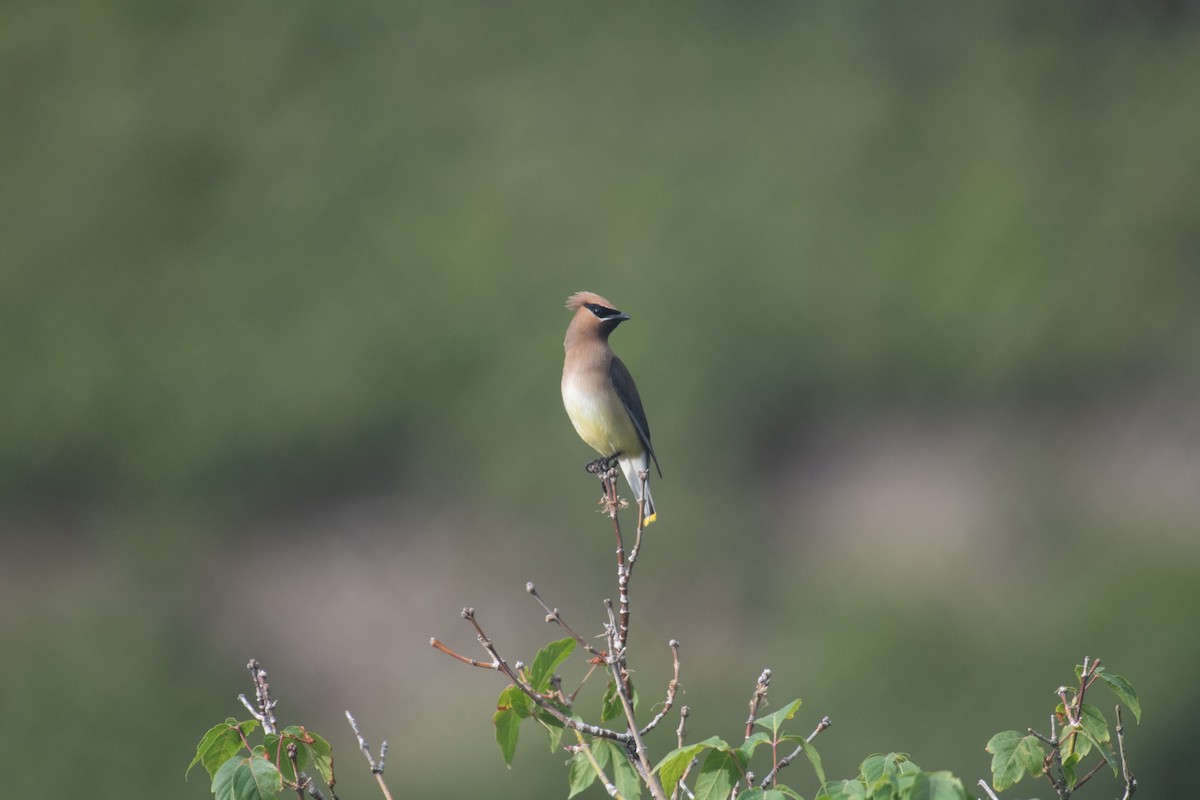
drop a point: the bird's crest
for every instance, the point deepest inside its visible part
(579, 299)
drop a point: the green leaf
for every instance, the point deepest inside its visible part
(717, 775)
(1125, 693)
(1092, 720)
(275, 746)
(219, 744)
(624, 775)
(772, 722)
(1106, 752)
(843, 790)
(554, 728)
(882, 766)
(507, 723)
(1014, 754)
(513, 698)
(242, 778)
(582, 774)
(810, 752)
(747, 747)
(1068, 768)
(673, 764)
(1073, 741)
(611, 706)
(814, 758)
(883, 789)
(546, 661)
(767, 794)
(321, 755)
(936, 786)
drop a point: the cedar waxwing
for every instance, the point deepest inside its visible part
(599, 393)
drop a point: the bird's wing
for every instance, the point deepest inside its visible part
(626, 389)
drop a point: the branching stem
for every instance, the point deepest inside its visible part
(823, 725)
(376, 766)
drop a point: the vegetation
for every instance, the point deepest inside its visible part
(913, 294)
(618, 758)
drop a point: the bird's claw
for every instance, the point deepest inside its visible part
(602, 464)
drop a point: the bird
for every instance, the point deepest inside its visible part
(601, 398)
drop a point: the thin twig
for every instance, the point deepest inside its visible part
(1042, 737)
(592, 666)
(552, 615)
(608, 480)
(644, 479)
(639, 747)
(680, 738)
(984, 785)
(757, 699)
(516, 680)
(1088, 776)
(1088, 675)
(672, 688)
(483, 665)
(823, 725)
(1054, 760)
(681, 731)
(301, 779)
(609, 786)
(1130, 781)
(376, 766)
(264, 707)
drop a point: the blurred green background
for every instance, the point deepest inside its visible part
(914, 294)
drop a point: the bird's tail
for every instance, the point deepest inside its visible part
(631, 467)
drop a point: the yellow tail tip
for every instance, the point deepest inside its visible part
(649, 519)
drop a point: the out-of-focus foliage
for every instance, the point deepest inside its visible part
(256, 260)
(246, 247)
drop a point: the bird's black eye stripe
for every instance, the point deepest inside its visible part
(603, 312)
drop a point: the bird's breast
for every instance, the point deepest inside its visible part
(600, 419)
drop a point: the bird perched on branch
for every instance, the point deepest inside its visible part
(600, 396)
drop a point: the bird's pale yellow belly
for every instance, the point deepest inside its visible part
(606, 427)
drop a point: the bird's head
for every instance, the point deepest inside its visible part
(593, 312)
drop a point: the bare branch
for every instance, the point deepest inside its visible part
(644, 479)
(642, 762)
(264, 707)
(1130, 781)
(595, 663)
(1088, 776)
(757, 699)
(439, 646)
(681, 731)
(823, 725)
(987, 788)
(552, 615)
(542, 702)
(609, 786)
(672, 688)
(301, 779)
(376, 766)
(680, 738)
(608, 480)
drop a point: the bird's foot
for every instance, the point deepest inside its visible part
(603, 464)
